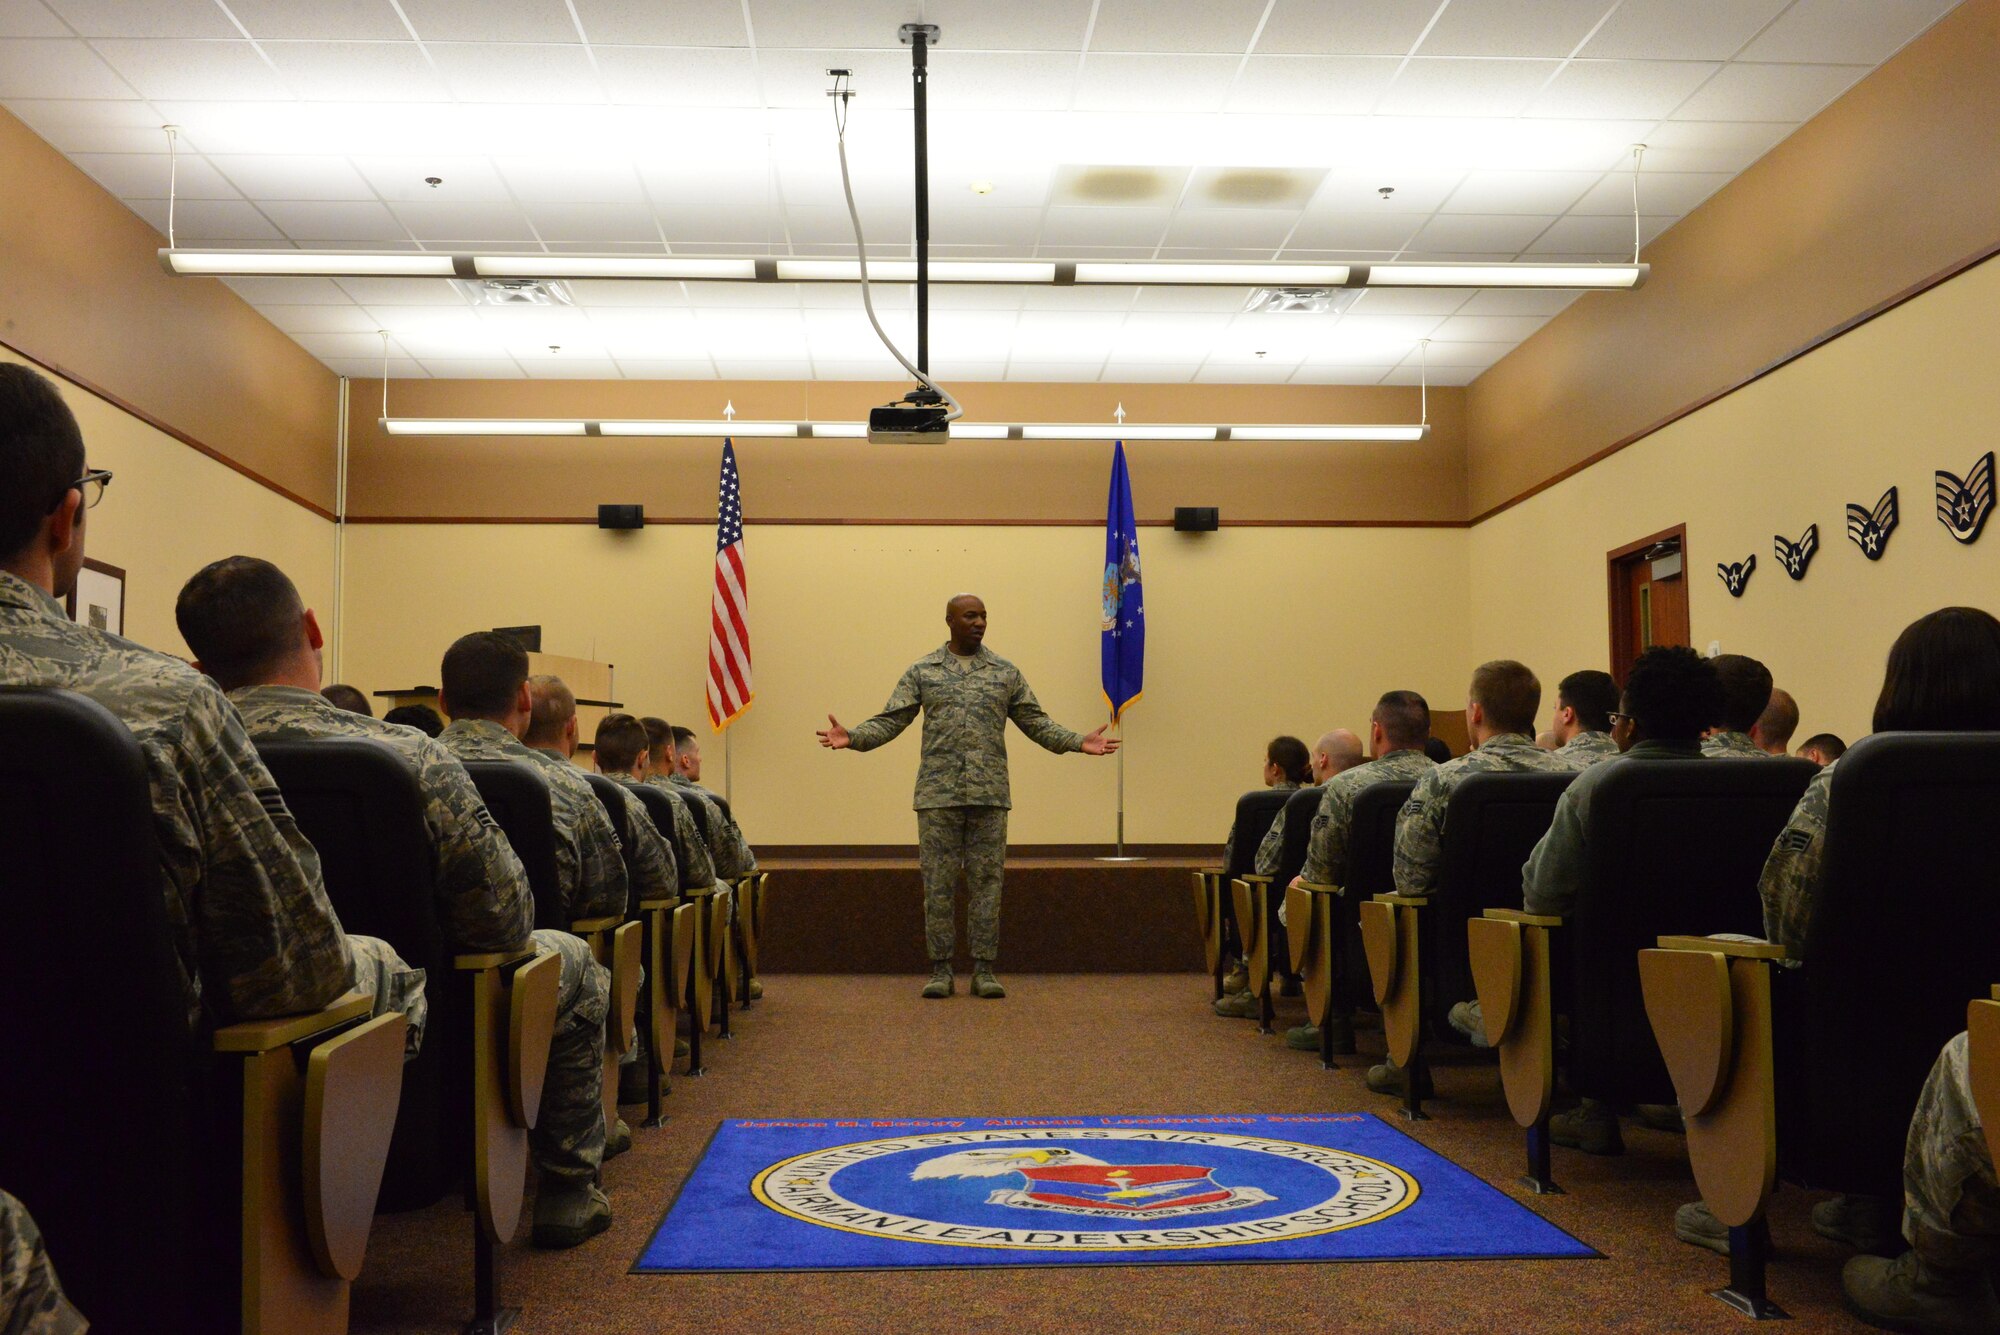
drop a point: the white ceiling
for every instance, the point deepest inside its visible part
(1265, 128)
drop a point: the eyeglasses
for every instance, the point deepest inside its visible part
(1617, 718)
(91, 484)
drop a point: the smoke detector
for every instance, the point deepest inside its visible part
(515, 291)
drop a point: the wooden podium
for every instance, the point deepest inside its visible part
(589, 679)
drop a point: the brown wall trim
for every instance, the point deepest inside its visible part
(166, 428)
(1846, 326)
(836, 852)
(708, 521)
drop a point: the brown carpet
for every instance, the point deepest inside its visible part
(1089, 1044)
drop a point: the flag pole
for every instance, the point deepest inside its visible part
(728, 770)
(1120, 855)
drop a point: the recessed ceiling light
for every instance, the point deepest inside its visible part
(982, 187)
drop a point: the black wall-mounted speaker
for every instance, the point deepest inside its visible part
(621, 516)
(1197, 519)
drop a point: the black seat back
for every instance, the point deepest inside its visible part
(698, 813)
(612, 799)
(359, 803)
(1676, 847)
(1371, 871)
(1492, 822)
(95, 1010)
(1905, 931)
(1300, 808)
(660, 807)
(518, 797)
(1255, 811)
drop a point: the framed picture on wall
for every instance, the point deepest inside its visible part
(98, 600)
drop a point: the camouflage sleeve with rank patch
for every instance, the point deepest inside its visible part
(605, 888)
(481, 887)
(1028, 716)
(268, 938)
(901, 711)
(1270, 847)
(1326, 847)
(1420, 836)
(1791, 878)
(697, 870)
(651, 865)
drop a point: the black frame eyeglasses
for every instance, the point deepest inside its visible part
(1615, 716)
(91, 484)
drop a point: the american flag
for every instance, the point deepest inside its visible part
(729, 692)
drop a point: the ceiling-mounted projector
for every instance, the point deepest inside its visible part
(917, 418)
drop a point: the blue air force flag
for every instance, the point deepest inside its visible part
(1124, 624)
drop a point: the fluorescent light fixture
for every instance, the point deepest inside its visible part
(479, 426)
(612, 266)
(714, 428)
(905, 271)
(840, 430)
(1507, 275)
(308, 263)
(1112, 431)
(1225, 275)
(976, 430)
(1395, 432)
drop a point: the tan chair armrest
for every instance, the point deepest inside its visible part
(588, 926)
(492, 959)
(657, 905)
(1741, 950)
(1209, 871)
(284, 1030)
(531, 1027)
(1252, 878)
(1525, 918)
(1406, 901)
(1318, 888)
(700, 891)
(354, 1085)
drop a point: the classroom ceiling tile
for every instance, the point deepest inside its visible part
(145, 175)
(1312, 85)
(609, 23)
(1221, 26)
(263, 292)
(490, 72)
(331, 221)
(267, 177)
(1466, 232)
(677, 77)
(273, 21)
(1845, 31)
(853, 24)
(210, 71)
(1513, 27)
(490, 21)
(347, 71)
(1019, 25)
(1340, 27)
(1680, 29)
(1789, 93)
(1675, 193)
(37, 67)
(1466, 87)
(153, 18)
(1621, 89)
(29, 18)
(1519, 192)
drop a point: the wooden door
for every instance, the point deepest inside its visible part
(1649, 600)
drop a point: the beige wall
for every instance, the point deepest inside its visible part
(1890, 403)
(170, 510)
(1253, 632)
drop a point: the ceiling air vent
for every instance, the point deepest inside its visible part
(1318, 300)
(515, 291)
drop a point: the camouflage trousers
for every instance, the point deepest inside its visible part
(386, 976)
(1951, 1197)
(968, 843)
(568, 1139)
(31, 1300)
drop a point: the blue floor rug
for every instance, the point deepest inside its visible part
(907, 1194)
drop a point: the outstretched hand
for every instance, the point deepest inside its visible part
(1097, 744)
(835, 737)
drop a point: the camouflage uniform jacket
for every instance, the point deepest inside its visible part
(727, 845)
(1553, 877)
(1732, 745)
(31, 1297)
(1587, 748)
(1229, 840)
(650, 872)
(1791, 876)
(588, 860)
(697, 869)
(1272, 846)
(1420, 824)
(1326, 853)
(252, 925)
(965, 727)
(482, 893)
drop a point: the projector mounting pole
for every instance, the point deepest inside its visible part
(920, 37)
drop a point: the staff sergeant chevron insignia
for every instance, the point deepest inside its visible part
(1963, 505)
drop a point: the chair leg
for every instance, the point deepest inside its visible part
(695, 1032)
(1266, 1010)
(722, 1008)
(488, 1317)
(1538, 1179)
(1749, 1251)
(1414, 1079)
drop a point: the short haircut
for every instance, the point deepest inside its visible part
(1592, 694)
(1290, 755)
(1509, 693)
(1828, 745)
(1405, 717)
(553, 706)
(683, 737)
(659, 736)
(1437, 749)
(240, 618)
(421, 717)
(1943, 675)
(41, 455)
(348, 698)
(1779, 720)
(1746, 689)
(1673, 694)
(620, 741)
(482, 674)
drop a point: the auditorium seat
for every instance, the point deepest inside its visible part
(1417, 946)
(685, 981)
(1982, 1023)
(1810, 1073)
(1324, 927)
(361, 807)
(237, 1193)
(747, 927)
(1214, 911)
(618, 942)
(1256, 898)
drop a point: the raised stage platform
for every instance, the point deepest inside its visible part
(1057, 915)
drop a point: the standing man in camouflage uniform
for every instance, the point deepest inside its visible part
(966, 693)
(1584, 701)
(1396, 733)
(252, 632)
(31, 1298)
(252, 926)
(1746, 690)
(1500, 719)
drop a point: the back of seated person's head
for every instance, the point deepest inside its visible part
(1822, 748)
(620, 743)
(1673, 694)
(41, 458)
(1548, 741)
(1775, 726)
(1291, 759)
(1592, 694)
(1943, 675)
(659, 740)
(1405, 719)
(343, 696)
(244, 621)
(482, 675)
(1437, 749)
(421, 717)
(1746, 690)
(553, 710)
(1336, 752)
(1508, 695)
